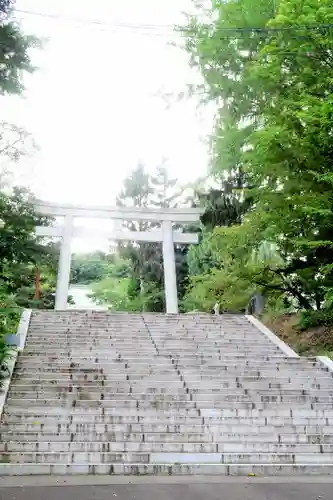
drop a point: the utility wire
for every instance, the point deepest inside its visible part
(166, 27)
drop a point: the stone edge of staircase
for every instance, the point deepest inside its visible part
(288, 351)
(22, 331)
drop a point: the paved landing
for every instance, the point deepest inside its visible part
(190, 491)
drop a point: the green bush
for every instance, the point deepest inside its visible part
(312, 319)
(9, 319)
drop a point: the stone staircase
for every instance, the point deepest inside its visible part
(101, 393)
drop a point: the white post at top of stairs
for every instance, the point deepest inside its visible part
(169, 266)
(64, 266)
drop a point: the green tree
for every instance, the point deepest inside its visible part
(89, 268)
(164, 192)
(222, 48)
(14, 51)
(147, 279)
(142, 190)
(235, 270)
(271, 81)
(25, 260)
(291, 152)
(18, 242)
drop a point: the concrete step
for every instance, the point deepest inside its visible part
(260, 364)
(186, 359)
(246, 380)
(212, 414)
(227, 341)
(106, 403)
(114, 397)
(251, 374)
(168, 469)
(224, 395)
(227, 375)
(124, 387)
(117, 410)
(159, 415)
(175, 409)
(169, 428)
(263, 385)
(178, 337)
(158, 332)
(164, 362)
(175, 380)
(203, 363)
(103, 357)
(175, 393)
(45, 436)
(176, 352)
(162, 402)
(192, 372)
(59, 378)
(158, 447)
(160, 458)
(282, 396)
(95, 394)
(165, 420)
(127, 342)
(185, 346)
(101, 368)
(178, 385)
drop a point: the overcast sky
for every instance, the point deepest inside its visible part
(96, 105)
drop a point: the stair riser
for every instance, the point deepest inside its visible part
(125, 386)
(147, 393)
(218, 382)
(99, 393)
(191, 374)
(213, 430)
(166, 470)
(162, 401)
(171, 458)
(249, 439)
(125, 410)
(192, 412)
(30, 378)
(151, 387)
(86, 369)
(127, 342)
(201, 367)
(64, 396)
(208, 415)
(57, 378)
(102, 419)
(149, 447)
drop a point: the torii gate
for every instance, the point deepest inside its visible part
(166, 235)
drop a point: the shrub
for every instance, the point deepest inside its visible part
(9, 319)
(312, 319)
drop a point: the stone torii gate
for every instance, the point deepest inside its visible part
(166, 235)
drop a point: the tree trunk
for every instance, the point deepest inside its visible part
(37, 285)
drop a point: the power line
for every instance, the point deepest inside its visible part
(96, 21)
(154, 27)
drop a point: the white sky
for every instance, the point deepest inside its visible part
(96, 105)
